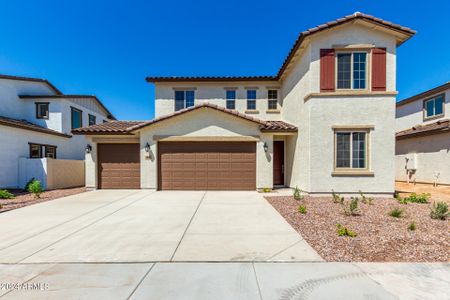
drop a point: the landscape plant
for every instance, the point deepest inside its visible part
(365, 199)
(412, 226)
(337, 198)
(27, 185)
(420, 198)
(302, 209)
(298, 194)
(439, 210)
(266, 190)
(5, 194)
(35, 188)
(396, 213)
(344, 231)
(351, 208)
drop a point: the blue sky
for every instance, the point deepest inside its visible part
(107, 48)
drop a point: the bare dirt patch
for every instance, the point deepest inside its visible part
(23, 198)
(380, 237)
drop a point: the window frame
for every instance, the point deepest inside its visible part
(269, 100)
(184, 91)
(43, 150)
(366, 152)
(47, 147)
(433, 98)
(30, 145)
(367, 75)
(72, 109)
(38, 116)
(251, 100)
(230, 100)
(89, 119)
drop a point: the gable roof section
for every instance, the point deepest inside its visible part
(407, 32)
(440, 126)
(20, 78)
(62, 96)
(425, 94)
(22, 124)
(127, 127)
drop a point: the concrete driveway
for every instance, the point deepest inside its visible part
(148, 226)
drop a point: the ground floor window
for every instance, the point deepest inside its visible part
(351, 150)
(40, 151)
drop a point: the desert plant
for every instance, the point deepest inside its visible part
(439, 210)
(27, 185)
(337, 198)
(396, 213)
(266, 190)
(35, 188)
(4, 194)
(365, 199)
(344, 231)
(402, 200)
(351, 208)
(412, 226)
(298, 194)
(302, 209)
(421, 198)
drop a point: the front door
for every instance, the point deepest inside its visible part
(278, 163)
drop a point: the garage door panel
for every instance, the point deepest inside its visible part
(119, 166)
(207, 165)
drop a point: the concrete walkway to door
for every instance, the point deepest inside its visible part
(148, 226)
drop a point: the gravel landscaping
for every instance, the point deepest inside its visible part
(379, 237)
(23, 198)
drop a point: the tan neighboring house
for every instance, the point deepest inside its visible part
(324, 122)
(423, 137)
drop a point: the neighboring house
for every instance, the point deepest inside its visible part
(36, 120)
(423, 137)
(324, 122)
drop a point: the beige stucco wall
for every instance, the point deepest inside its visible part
(432, 154)
(64, 173)
(411, 114)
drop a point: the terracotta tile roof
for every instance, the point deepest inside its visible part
(425, 94)
(62, 96)
(424, 130)
(357, 15)
(22, 124)
(127, 127)
(10, 77)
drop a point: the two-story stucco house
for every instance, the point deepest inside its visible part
(36, 121)
(324, 122)
(423, 137)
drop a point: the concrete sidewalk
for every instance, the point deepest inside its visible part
(196, 281)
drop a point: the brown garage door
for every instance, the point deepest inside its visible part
(207, 166)
(119, 166)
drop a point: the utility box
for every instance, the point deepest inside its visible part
(411, 161)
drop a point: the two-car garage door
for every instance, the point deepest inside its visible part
(181, 166)
(207, 166)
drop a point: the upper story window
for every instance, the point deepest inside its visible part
(231, 99)
(92, 120)
(251, 99)
(42, 110)
(434, 107)
(351, 150)
(351, 70)
(77, 118)
(184, 99)
(272, 96)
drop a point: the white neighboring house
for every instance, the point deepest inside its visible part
(423, 137)
(36, 120)
(324, 122)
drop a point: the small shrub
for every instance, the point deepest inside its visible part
(366, 200)
(344, 231)
(35, 188)
(421, 198)
(266, 190)
(337, 198)
(396, 213)
(298, 194)
(412, 226)
(4, 194)
(352, 207)
(302, 209)
(27, 185)
(402, 200)
(439, 210)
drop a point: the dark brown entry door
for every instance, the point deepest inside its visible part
(278, 162)
(207, 166)
(119, 166)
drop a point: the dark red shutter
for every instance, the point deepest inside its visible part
(327, 74)
(378, 69)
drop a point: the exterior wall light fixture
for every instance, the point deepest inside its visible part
(266, 147)
(147, 147)
(88, 148)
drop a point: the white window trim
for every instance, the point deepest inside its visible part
(368, 68)
(268, 99)
(184, 97)
(425, 117)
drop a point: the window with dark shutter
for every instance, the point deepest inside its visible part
(378, 69)
(327, 67)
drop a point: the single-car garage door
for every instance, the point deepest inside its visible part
(207, 166)
(119, 166)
